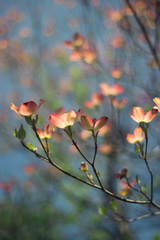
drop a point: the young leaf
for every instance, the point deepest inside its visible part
(90, 176)
(31, 146)
(137, 149)
(21, 133)
(113, 205)
(102, 210)
(15, 132)
(98, 173)
(143, 188)
(138, 180)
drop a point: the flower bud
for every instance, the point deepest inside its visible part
(84, 167)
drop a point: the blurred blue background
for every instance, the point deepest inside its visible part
(34, 64)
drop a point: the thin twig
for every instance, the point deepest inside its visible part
(137, 190)
(79, 179)
(147, 165)
(37, 154)
(95, 147)
(83, 181)
(144, 31)
(142, 217)
(157, 10)
(80, 152)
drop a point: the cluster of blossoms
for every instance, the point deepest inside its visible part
(139, 134)
(81, 50)
(65, 120)
(139, 116)
(111, 91)
(61, 120)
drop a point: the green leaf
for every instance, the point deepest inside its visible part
(156, 237)
(143, 188)
(137, 149)
(90, 176)
(98, 173)
(15, 132)
(31, 146)
(102, 210)
(29, 120)
(21, 133)
(113, 205)
(138, 180)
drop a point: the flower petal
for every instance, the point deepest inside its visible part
(105, 88)
(27, 108)
(130, 138)
(137, 114)
(14, 108)
(116, 89)
(40, 103)
(57, 121)
(149, 116)
(100, 123)
(138, 133)
(113, 90)
(157, 102)
(40, 133)
(70, 117)
(138, 136)
(86, 122)
(48, 131)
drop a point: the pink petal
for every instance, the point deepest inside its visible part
(57, 121)
(40, 103)
(100, 123)
(40, 133)
(149, 116)
(86, 122)
(97, 98)
(88, 104)
(157, 101)
(137, 114)
(105, 88)
(27, 108)
(138, 133)
(116, 89)
(69, 117)
(130, 138)
(14, 108)
(48, 131)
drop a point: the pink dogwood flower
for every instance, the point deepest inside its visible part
(27, 109)
(90, 124)
(64, 120)
(137, 136)
(47, 133)
(113, 90)
(138, 115)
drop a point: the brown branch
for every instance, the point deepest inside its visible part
(83, 181)
(144, 31)
(146, 162)
(141, 217)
